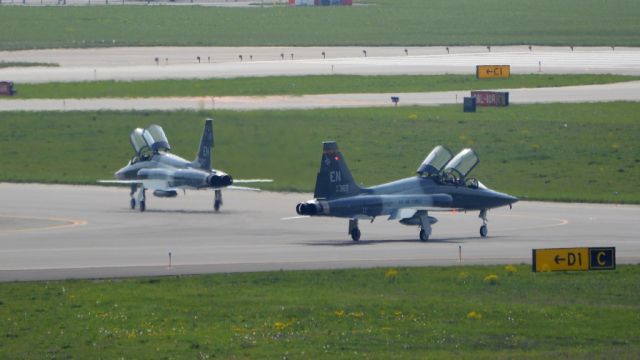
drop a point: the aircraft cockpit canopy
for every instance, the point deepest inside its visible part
(156, 139)
(462, 164)
(137, 140)
(435, 161)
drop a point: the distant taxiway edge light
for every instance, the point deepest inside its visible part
(154, 167)
(441, 184)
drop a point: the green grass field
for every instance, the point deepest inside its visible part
(417, 313)
(300, 85)
(563, 152)
(380, 22)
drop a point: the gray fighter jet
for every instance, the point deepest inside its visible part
(154, 167)
(441, 184)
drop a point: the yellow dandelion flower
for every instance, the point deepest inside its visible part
(279, 325)
(391, 275)
(339, 313)
(511, 269)
(491, 279)
(474, 315)
(357, 314)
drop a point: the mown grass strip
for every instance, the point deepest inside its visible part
(564, 152)
(301, 85)
(450, 312)
(379, 23)
(8, 64)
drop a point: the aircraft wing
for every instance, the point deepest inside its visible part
(428, 202)
(147, 184)
(402, 213)
(128, 182)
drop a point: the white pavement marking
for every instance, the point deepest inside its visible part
(249, 235)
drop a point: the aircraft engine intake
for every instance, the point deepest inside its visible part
(165, 193)
(217, 181)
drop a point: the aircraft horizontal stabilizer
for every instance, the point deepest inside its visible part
(296, 217)
(247, 181)
(232, 187)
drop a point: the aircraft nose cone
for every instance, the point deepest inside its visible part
(508, 199)
(120, 174)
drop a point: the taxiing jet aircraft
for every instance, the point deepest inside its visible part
(441, 184)
(154, 167)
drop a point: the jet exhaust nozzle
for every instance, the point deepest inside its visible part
(217, 181)
(165, 193)
(307, 209)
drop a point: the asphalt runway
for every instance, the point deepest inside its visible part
(223, 62)
(56, 232)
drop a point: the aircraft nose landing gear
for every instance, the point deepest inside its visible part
(484, 230)
(354, 231)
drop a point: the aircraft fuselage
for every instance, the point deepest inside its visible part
(412, 192)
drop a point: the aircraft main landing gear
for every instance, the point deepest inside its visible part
(484, 230)
(354, 231)
(424, 235)
(132, 203)
(425, 226)
(217, 200)
(141, 199)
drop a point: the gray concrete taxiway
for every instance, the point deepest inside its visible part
(625, 91)
(59, 232)
(225, 62)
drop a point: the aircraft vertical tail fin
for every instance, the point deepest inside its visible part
(334, 179)
(203, 159)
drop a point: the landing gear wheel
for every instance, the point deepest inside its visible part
(484, 230)
(217, 200)
(142, 206)
(424, 236)
(133, 204)
(355, 234)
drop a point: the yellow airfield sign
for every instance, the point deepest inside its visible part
(574, 259)
(493, 71)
